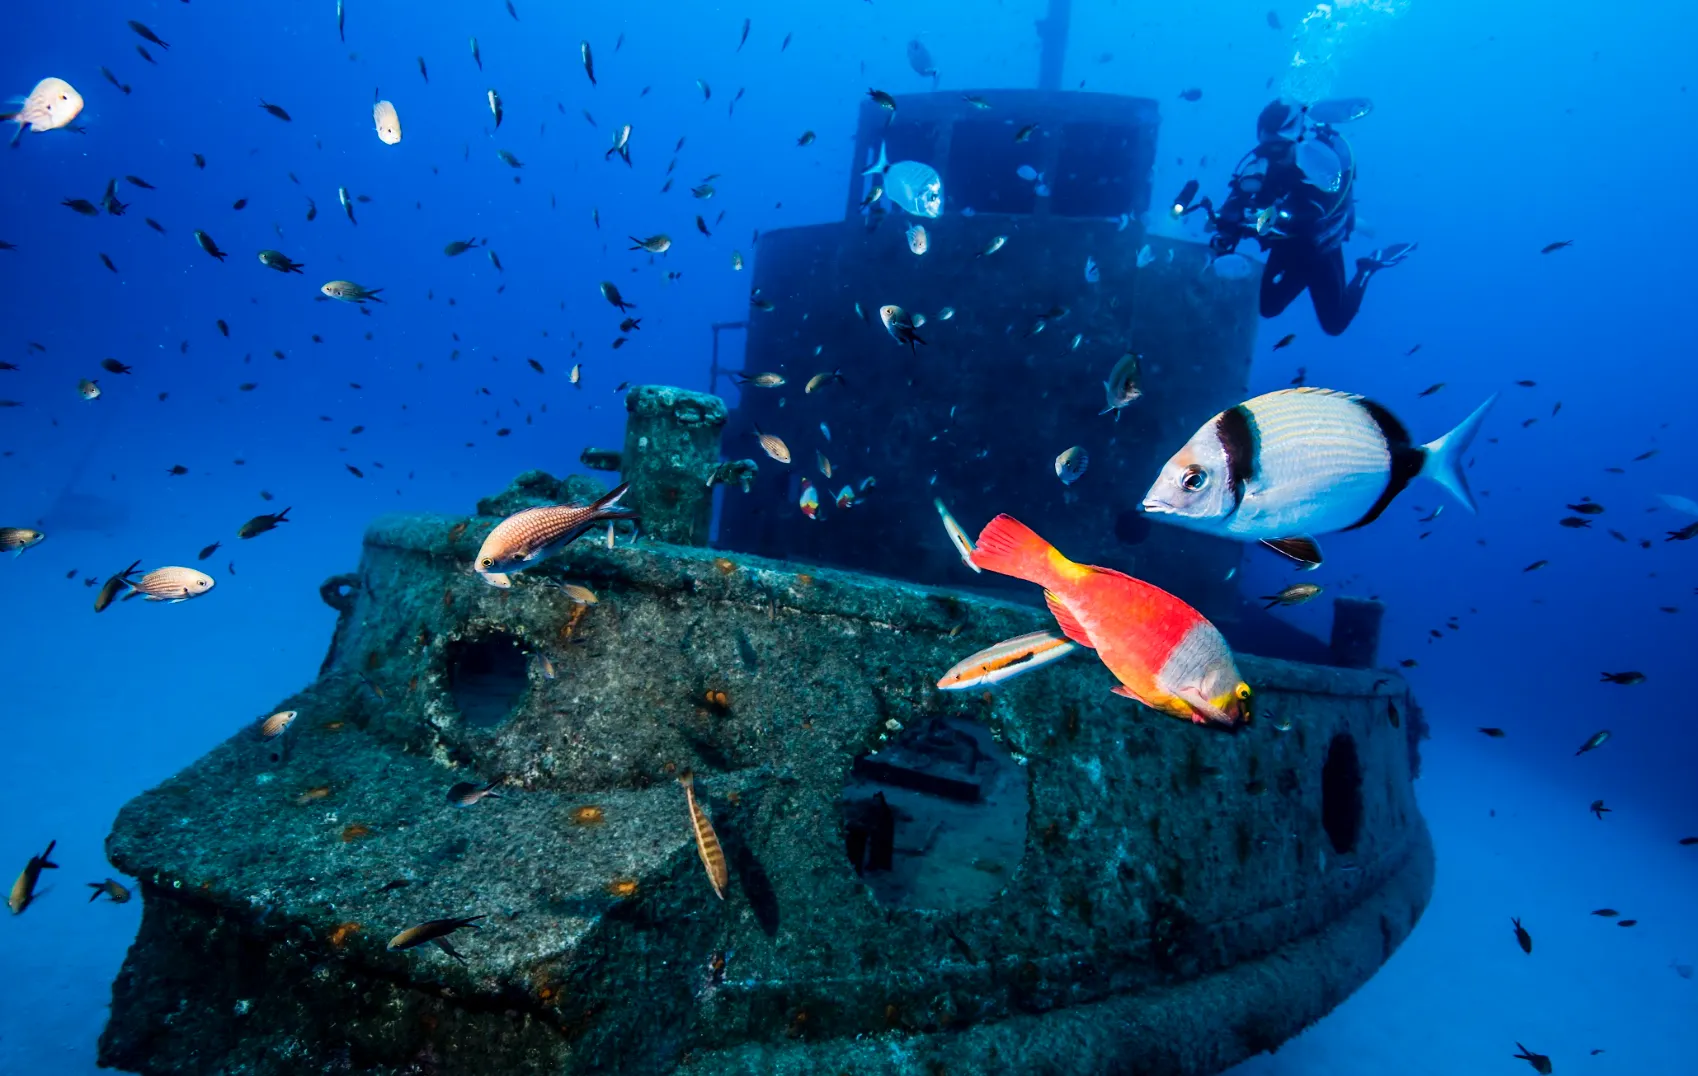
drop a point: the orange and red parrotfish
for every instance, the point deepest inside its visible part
(1163, 652)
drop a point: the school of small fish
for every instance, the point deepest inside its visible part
(1276, 470)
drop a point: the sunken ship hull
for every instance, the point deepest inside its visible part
(1040, 878)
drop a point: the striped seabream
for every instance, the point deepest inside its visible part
(707, 841)
(1006, 660)
(1303, 461)
(529, 536)
(167, 584)
(773, 446)
(275, 725)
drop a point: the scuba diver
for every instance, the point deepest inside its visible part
(1294, 194)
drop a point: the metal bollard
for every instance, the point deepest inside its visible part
(671, 447)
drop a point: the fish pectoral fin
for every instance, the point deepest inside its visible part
(1171, 705)
(1301, 548)
(1067, 622)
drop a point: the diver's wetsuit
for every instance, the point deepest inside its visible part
(1301, 220)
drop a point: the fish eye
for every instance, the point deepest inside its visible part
(488, 562)
(1194, 479)
(1243, 692)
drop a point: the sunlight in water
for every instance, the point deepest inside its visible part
(1325, 37)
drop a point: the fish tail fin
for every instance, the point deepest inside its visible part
(98, 887)
(880, 166)
(608, 506)
(1444, 456)
(1009, 547)
(46, 857)
(283, 516)
(124, 576)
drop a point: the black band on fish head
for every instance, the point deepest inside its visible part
(1236, 430)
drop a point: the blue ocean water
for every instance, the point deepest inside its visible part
(1497, 130)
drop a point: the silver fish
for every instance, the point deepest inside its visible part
(388, 123)
(15, 540)
(1303, 461)
(51, 105)
(901, 326)
(1070, 465)
(914, 186)
(918, 241)
(1123, 385)
(920, 59)
(529, 536)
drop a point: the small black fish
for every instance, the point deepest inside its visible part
(1628, 678)
(1574, 523)
(1593, 742)
(1599, 809)
(1192, 94)
(200, 162)
(137, 181)
(147, 35)
(1541, 1064)
(1285, 341)
(113, 366)
(1522, 938)
(260, 524)
(81, 205)
(23, 890)
(423, 73)
(1430, 389)
(276, 110)
(1494, 733)
(207, 244)
(1586, 508)
(209, 550)
(107, 261)
(1550, 247)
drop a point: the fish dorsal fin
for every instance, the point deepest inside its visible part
(1302, 549)
(1068, 623)
(1316, 390)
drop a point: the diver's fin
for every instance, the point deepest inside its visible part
(881, 166)
(1301, 548)
(1067, 622)
(1444, 456)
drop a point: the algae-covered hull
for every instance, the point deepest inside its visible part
(1068, 881)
